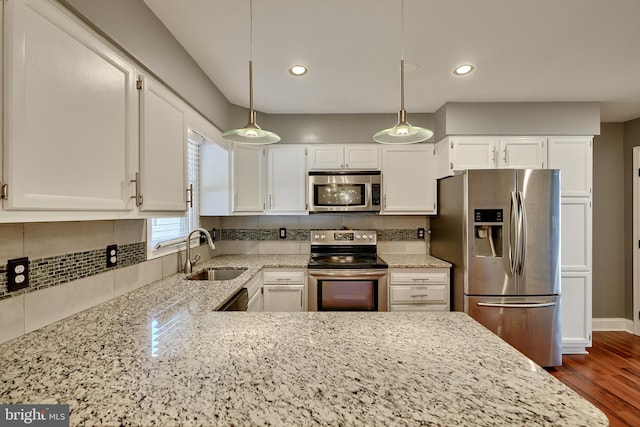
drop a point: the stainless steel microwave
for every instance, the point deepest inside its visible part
(344, 191)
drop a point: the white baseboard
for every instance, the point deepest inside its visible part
(612, 324)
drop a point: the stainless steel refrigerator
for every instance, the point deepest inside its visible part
(500, 228)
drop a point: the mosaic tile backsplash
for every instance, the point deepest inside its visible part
(55, 270)
(305, 235)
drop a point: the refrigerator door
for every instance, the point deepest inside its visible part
(491, 232)
(538, 269)
(530, 324)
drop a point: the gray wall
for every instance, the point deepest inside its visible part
(518, 118)
(631, 139)
(608, 223)
(132, 26)
(327, 128)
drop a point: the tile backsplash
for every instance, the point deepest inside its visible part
(67, 260)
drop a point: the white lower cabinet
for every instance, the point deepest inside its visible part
(254, 291)
(419, 289)
(285, 290)
(576, 312)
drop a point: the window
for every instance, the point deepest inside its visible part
(164, 230)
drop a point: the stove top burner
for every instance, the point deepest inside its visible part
(344, 262)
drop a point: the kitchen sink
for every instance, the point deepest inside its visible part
(218, 273)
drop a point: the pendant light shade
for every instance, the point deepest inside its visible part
(403, 132)
(251, 133)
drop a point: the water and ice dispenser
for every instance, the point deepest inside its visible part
(487, 232)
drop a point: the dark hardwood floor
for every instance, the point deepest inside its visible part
(609, 376)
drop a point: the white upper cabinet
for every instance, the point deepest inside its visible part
(408, 179)
(163, 138)
(70, 114)
(216, 193)
(482, 152)
(287, 170)
(522, 153)
(350, 156)
(473, 153)
(249, 179)
(573, 156)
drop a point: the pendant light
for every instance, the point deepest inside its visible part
(251, 132)
(403, 132)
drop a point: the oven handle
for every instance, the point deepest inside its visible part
(347, 273)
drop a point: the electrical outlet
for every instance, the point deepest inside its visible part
(420, 233)
(283, 233)
(17, 274)
(112, 255)
(214, 234)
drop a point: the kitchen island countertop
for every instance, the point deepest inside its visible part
(160, 356)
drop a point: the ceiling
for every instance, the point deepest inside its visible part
(524, 51)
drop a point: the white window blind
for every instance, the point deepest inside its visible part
(165, 229)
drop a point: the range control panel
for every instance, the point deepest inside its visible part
(344, 237)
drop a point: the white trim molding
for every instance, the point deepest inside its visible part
(612, 324)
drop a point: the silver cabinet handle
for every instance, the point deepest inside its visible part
(270, 201)
(137, 196)
(283, 279)
(190, 196)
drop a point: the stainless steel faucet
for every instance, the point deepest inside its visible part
(189, 263)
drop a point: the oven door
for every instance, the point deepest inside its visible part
(347, 290)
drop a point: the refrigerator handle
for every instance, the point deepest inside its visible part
(513, 233)
(516, 305)
(522, 233)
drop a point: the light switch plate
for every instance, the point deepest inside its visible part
(283, 233)
(17, 274)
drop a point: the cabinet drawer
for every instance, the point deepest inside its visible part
(283, 277)
(420, 294)
(418, 278)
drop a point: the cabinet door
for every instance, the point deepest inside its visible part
(473, 153)
(249, 178)
(283, 297)
(362, 156)
(70, 114)
(522, 153)
(409, 182)
(573, 156)
(163, 137)
(287, 180)
(576, 312)
(327, 156)
(256, 303)
(215, 179)
(576, 217)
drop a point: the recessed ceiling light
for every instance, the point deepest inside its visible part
(463, 70)
(298, 70)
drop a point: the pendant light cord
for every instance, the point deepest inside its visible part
(251, 119)
(401, 55)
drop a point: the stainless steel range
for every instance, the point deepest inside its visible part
(345, 272)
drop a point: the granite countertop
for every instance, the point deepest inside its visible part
(412, 261)
(160, 356)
